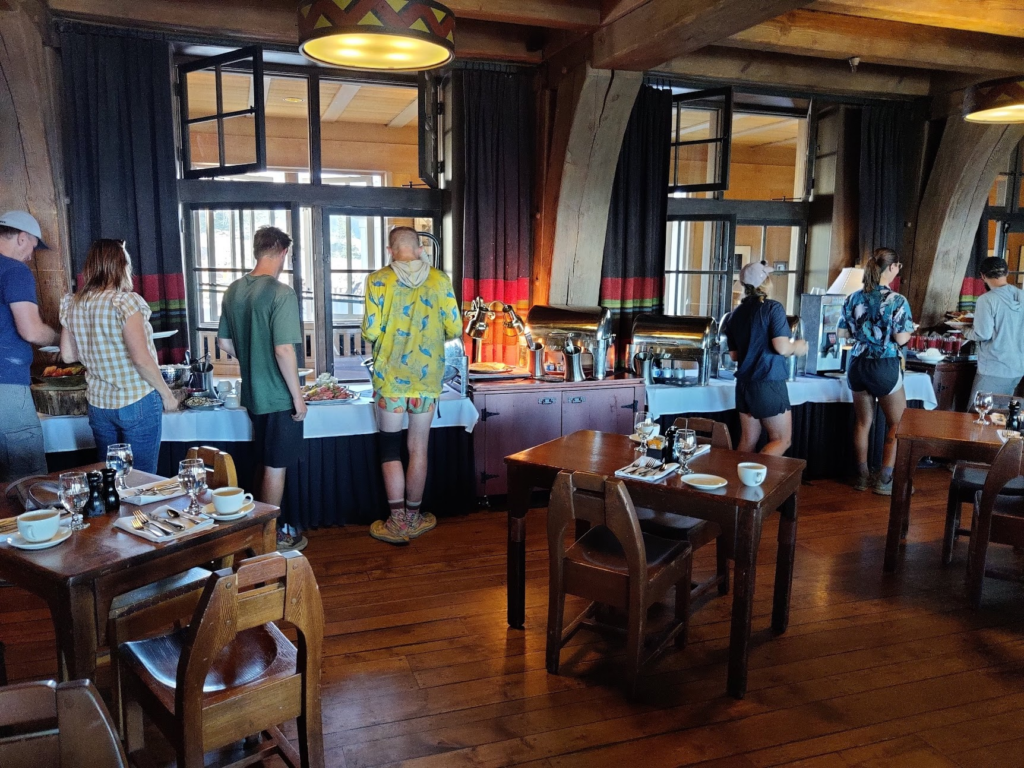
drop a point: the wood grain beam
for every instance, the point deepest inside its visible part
(996, 17)
(660, 30)
(726, 65)
(553, 14)
(834, 36)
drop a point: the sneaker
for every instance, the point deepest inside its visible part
(883, 487)
(422, 523)
(390, 531)
(291, 542)
(863, 482)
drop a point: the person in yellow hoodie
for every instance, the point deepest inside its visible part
(409, 313)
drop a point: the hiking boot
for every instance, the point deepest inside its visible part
(291, 542)
(883, 487)
(421, 523)
(391, 531)
(863, 482)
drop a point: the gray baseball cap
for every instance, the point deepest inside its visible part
(755, 273)
(26, 222)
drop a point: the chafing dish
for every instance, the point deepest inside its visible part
(586, 328)
(456, 366)
(671, 342)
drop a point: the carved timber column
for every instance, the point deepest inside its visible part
(970, 156)
(591, 112)
(31, 174)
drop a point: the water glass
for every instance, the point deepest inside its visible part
(121, 460)
(982, 404)
(645, 428)
(684, 448)
(192, 476)
(73, 491)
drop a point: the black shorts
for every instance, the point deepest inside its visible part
(762, 399)
(276, 439)
(876, 376)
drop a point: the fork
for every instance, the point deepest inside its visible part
(138, 525)
(143, 520)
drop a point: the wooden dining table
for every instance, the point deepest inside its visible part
(739, 510)
(80, 577)
(940, 435)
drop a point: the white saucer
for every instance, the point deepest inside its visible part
(209, 510)
(17, 541)
(705, 482)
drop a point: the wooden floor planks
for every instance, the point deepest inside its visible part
(422, 671)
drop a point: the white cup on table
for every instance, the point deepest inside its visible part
(39, 525)
(229, 500)
(751, 474)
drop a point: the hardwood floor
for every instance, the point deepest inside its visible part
(421, 669)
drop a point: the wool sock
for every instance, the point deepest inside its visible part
(862, 470)
(886, 475)
(397, 507)
(412, 508)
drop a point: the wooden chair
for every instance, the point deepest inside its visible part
(997, 519)
(57, 726)
(613, 564)
(967, 482)
(3, 665)
(224, 474)
(697, 532)
(231, 674)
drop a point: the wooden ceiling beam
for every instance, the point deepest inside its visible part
(725, 65)
(346, 92)
(995, 17)
(834, 36)
(553, 14)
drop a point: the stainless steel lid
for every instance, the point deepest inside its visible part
(664, 331)
(553, 323)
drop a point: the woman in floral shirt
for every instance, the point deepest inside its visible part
(878, 321)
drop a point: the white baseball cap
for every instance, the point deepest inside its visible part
(755, 273)
(26, 222)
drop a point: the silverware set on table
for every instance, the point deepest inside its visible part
(163, 526)
(646, 466)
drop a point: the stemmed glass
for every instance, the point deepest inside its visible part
(684, 448)
(120, 459)
(192, 476)
(982, 404)
(645, 427)
(73, 491)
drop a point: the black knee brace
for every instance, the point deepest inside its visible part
(391, 446)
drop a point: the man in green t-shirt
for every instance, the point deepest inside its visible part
(259, 325)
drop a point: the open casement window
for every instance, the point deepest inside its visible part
(430, 112)
(701, 139)
(223, 123)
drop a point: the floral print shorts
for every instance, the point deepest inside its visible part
(405, 404)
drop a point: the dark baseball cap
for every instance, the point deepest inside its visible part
(993, 267)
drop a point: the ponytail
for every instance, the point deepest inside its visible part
(877, 263)
(760, 291)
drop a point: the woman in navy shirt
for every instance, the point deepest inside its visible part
(758, 334)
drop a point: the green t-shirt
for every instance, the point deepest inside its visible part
(258, 314)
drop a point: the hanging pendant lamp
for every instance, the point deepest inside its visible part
(995, 102)
(388, 35)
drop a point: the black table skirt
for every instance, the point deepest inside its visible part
(822, 436)
(338, 480)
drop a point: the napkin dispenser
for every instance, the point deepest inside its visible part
(586, 328)
(686, 339)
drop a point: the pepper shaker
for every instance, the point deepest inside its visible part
(111, 499)
(1013, 417)
(95, 506)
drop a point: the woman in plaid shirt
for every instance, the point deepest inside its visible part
(106, 327)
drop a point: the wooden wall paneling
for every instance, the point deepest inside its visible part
(591, 114)
(30, 150)
(969, 158)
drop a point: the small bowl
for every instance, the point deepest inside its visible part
(174, 376)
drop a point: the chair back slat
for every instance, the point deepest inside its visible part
(260, 606)
(223, 466)
(713, 433)
(1005, 467)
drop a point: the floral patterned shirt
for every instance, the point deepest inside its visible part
(873, 319)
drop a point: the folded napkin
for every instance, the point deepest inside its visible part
(148, 494)
(125, 524)
(661, 474)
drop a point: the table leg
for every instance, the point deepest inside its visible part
(74, 620)
(784, 564)
(748, 536)
(899, 505)
(519, 490)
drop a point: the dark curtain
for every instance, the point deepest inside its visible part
(633, 270)
(496, 124)
(120, 165)
(885, 138)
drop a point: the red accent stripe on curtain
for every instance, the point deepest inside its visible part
(631, 288)
(970, 290)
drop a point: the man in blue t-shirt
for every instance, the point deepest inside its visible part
(21, 437)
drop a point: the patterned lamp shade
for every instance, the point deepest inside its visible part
(997, 101)
(394, 35)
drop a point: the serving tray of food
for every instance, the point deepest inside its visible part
(327, 391)
(203, 403)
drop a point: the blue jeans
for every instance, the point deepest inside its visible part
(21, 436)
(138, 424)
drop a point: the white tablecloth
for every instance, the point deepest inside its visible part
(720, 394)
(72, 433)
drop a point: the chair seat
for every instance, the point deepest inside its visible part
(668, 525)
(970, 477)
(598, 548)
(256, 653)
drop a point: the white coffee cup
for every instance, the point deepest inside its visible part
(231, 400)
(224, 387)
(751, 473)
(229, 500)
(39, 525)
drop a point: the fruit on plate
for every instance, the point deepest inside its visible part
(56, 371)
(315, 393)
